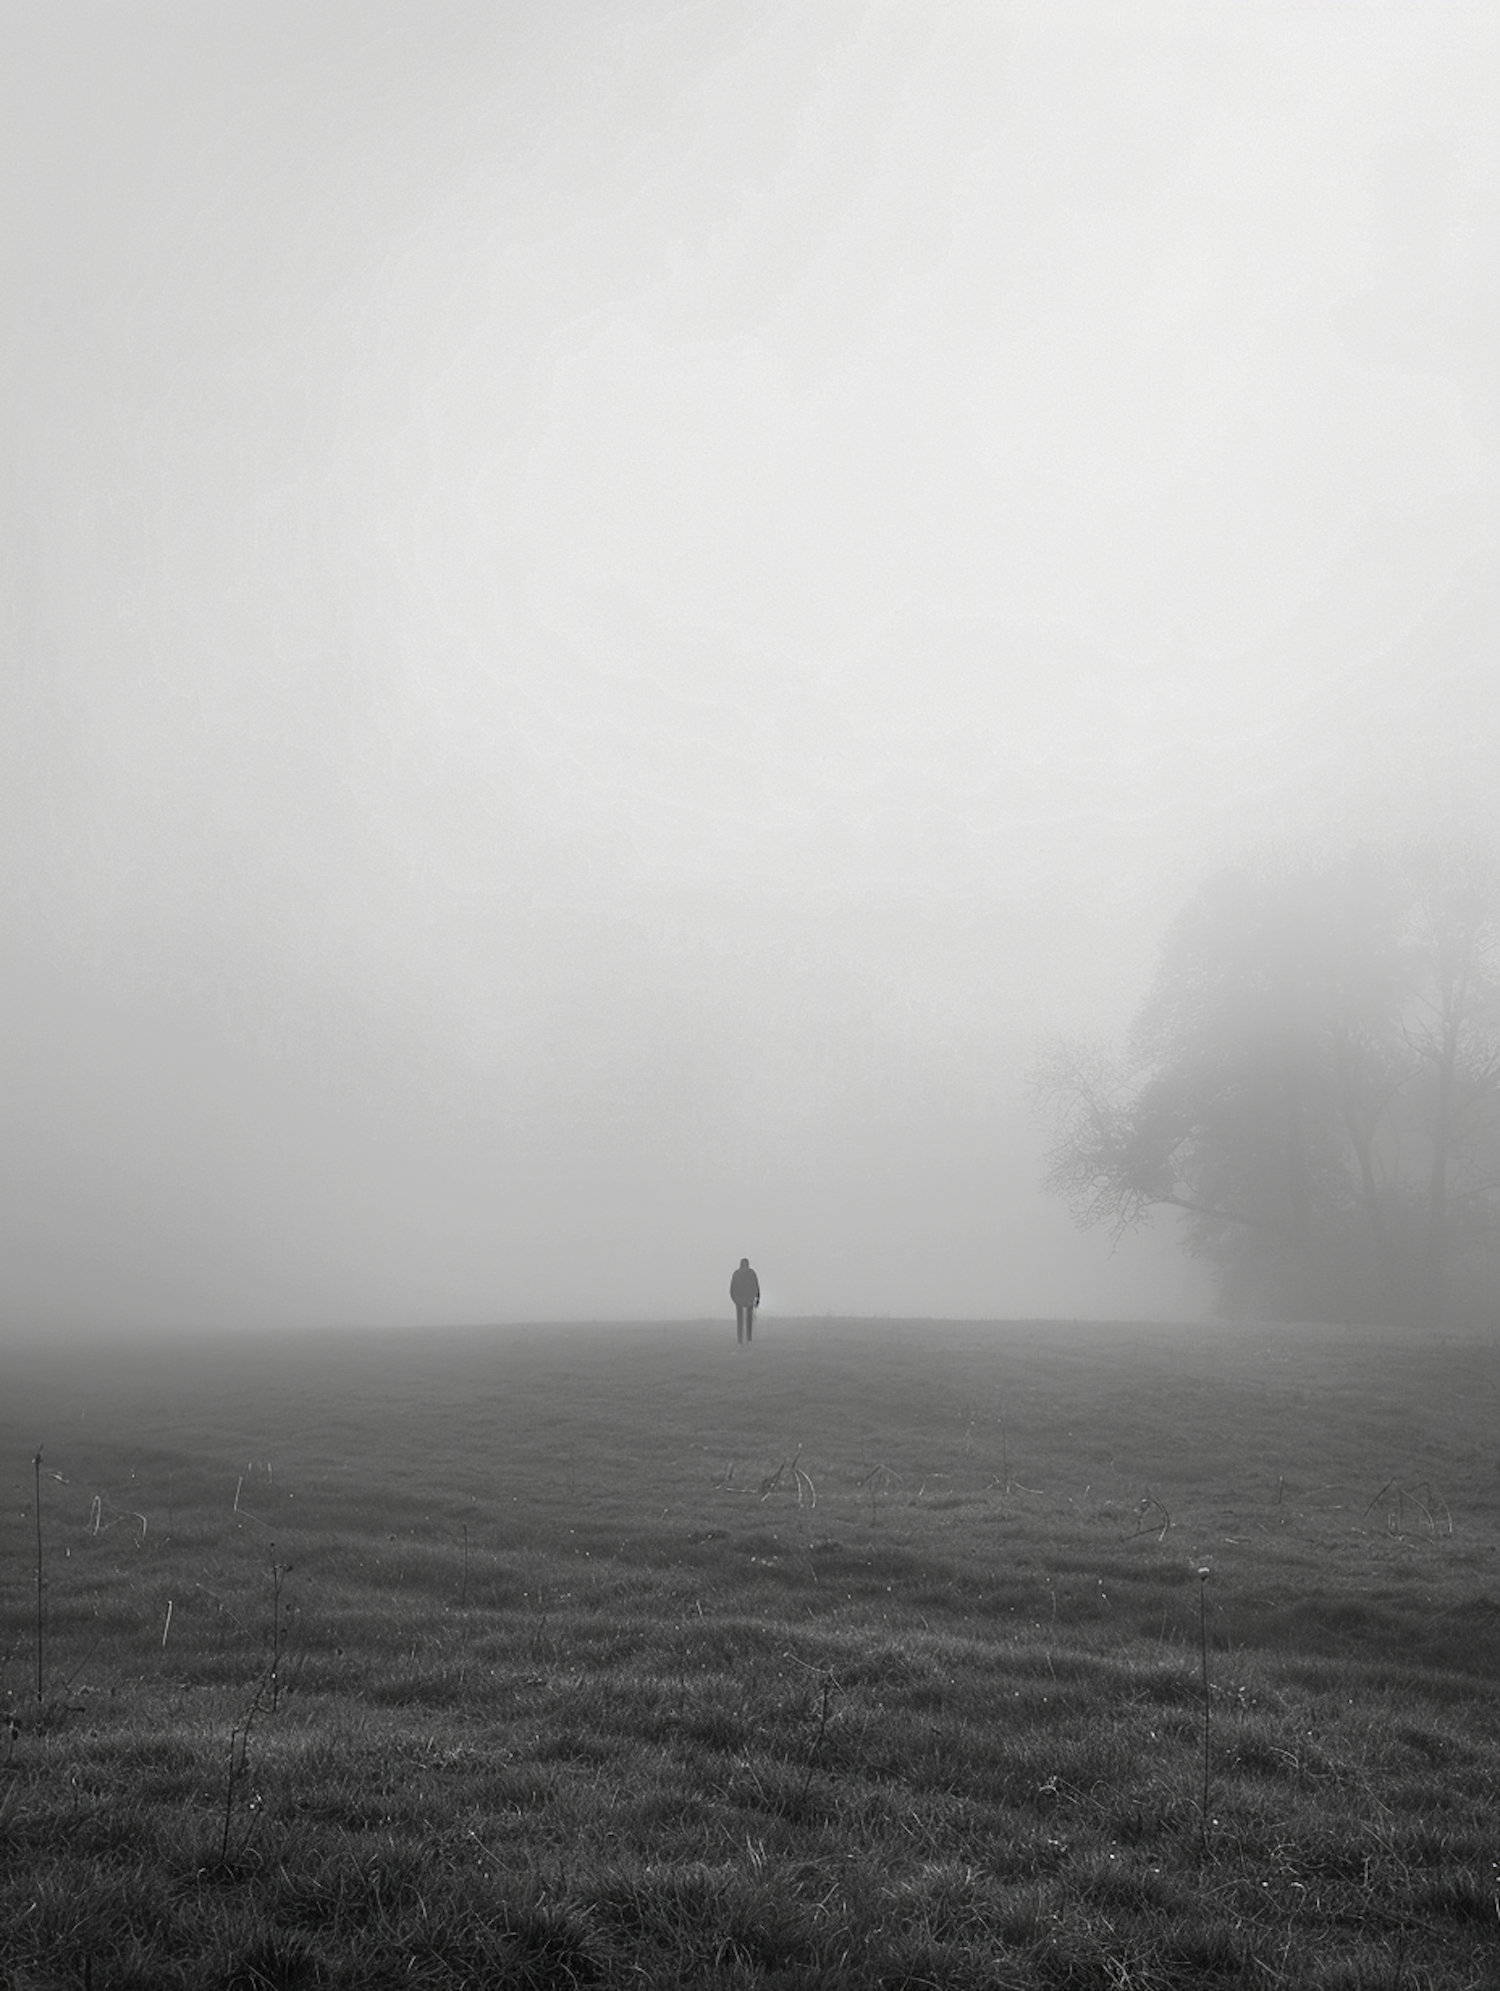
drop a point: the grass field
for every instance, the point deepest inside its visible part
(873, 1655)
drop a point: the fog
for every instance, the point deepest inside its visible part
(609, 611)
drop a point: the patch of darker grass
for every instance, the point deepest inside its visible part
(1122, 1885)
(1460, 1641)
(276, 1960)
(708, 1918)
(720, 1728)
(1212, 1952)
(1467, 1895)
(1167, 1686)
(725, 1643)
(794, 1792)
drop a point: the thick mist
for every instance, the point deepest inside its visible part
(607, 614)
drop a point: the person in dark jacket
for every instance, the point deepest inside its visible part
(744, 1290)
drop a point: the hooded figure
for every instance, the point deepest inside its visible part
(744, 1290)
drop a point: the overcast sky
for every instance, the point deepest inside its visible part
(607, 610)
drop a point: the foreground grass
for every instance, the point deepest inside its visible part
(867, 1657)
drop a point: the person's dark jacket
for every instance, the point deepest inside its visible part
(744, 1287)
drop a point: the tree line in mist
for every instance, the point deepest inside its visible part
(1313, 1080)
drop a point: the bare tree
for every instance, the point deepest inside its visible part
(1453, 1023)
(1306, 1019)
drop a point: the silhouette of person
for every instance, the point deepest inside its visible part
(744, 1290)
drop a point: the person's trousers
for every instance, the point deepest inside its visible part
(744, 1320)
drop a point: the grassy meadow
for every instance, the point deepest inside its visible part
(872, 1655)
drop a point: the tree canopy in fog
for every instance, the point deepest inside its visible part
(1313, 1080)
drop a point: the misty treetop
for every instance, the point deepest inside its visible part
(1313, 1080)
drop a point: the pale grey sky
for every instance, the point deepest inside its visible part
(607, 609)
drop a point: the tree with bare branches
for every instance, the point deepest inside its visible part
(1313, 1082)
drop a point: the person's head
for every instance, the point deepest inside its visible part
(744, 1261)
